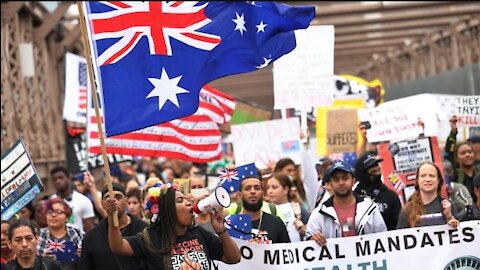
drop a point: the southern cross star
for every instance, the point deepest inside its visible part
(239, 23)
(166, 89)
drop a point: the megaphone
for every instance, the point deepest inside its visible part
(220, 197)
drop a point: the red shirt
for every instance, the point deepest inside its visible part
(346, 217)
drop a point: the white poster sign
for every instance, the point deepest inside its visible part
(76, 81)
(400, 249)
(304, 77)
(468, 110)
(266, 142)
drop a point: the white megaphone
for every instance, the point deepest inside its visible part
(220, 197)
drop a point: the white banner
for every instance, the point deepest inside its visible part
(304, 77)
(433, 247)
(266, 142)
(75, 104)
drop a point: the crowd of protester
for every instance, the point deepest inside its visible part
(158, 230)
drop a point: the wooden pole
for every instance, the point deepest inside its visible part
(88, 54)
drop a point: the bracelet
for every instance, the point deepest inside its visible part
(222, 232)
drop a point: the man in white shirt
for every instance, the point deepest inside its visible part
(82, 216)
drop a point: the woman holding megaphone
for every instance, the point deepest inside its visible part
(171, 241)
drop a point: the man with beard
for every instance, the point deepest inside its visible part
(96, 253)
(344, 214)
(368, 174)
(267, 228)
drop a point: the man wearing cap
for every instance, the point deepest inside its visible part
(368, 174)
(344, 214)
(96, 253)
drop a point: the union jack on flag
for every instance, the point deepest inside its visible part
(229, 175)
(151, 59)
(55, 245)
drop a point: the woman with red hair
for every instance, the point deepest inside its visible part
(57, 215)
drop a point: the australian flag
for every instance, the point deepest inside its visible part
(152, 58)
(231, 178)
(239, 226)
(65, 251)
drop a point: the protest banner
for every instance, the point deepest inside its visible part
(19, 179)
(401, 160)
(399, 249)
(337, 127)
(266, 142)
(304, 77)
(468, 110)
(75, 103)
(79, 159)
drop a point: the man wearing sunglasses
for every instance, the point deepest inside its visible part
(96, 253)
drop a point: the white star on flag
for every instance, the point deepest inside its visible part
(266, 61)
(166, 89)
(239, 23)
(261, 27)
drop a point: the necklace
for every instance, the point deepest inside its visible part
(260, 223)
(122, 229)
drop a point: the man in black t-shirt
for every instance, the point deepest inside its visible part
(263, 224)
(96, 253)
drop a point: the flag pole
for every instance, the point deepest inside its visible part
(88, 54)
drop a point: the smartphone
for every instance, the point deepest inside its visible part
(366, 124)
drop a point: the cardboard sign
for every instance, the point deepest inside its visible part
(304, 77)
(266, 142)
(341, 130)
(334, 127)
(20, 180)
(76, 82)
(468, 110)
(399, 170)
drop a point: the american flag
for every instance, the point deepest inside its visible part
(194, 138)
(82, 85)
(151, 59)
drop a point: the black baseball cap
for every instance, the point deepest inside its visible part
(366, 161)
(116, 187)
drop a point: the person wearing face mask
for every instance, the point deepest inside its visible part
(368, 174)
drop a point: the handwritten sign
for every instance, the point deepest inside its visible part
(266, 142)
(304, 77)
(468, 110)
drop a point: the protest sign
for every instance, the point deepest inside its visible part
(75, 103)
(304, 77)
(336, 127)
(19, 179)
(401, 160)
(266, 142)
(468, 110)
(399, 249)
(79, 159)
